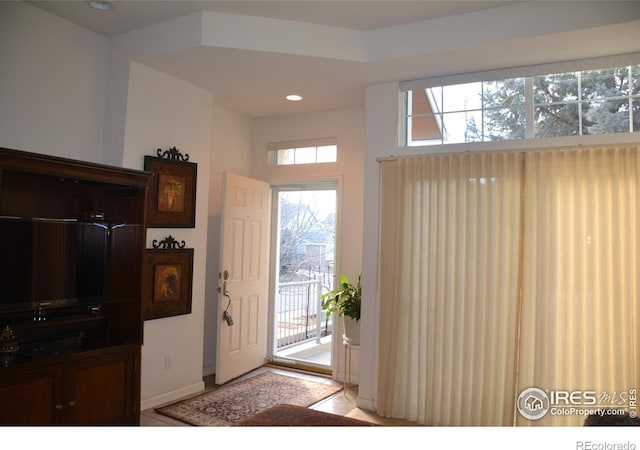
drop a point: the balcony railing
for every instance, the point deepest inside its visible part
(298, 313)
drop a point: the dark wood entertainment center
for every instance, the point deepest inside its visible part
(77, 362)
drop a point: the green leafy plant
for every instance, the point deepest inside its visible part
(345, 300)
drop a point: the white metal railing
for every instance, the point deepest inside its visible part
(298, 313)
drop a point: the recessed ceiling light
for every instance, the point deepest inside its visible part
(101, 5)
(293, 98)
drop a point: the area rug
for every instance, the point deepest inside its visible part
(298, 416)
(229, 404)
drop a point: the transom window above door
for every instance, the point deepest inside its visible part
(308, 151)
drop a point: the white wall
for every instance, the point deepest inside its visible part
(349, 128)
(53, 77)
(382, 138)
(53, 100)
(163, 112)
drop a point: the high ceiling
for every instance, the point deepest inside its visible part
(357, 14)
(252, 79)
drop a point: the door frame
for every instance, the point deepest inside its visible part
(310, 183)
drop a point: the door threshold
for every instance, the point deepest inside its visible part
(300, 365)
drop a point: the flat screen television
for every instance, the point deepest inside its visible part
(51, 262)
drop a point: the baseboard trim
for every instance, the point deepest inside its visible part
(366, 403)
(209, 370)
(172, 396)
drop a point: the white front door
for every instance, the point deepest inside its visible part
(244, 282)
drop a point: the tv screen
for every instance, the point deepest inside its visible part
(51, 262)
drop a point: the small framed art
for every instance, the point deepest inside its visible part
(168, 276)
(171, 201)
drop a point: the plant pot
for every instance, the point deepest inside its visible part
(351, 330)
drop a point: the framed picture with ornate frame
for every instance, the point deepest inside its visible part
(171, 201)
(167, 279)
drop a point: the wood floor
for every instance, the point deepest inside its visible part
(342, 403)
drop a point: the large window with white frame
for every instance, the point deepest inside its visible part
(571, 103)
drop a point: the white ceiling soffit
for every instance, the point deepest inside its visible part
(356, 14)
(250, 62)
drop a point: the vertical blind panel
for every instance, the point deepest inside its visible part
(461, 235)
(580, 263)
(449, 278)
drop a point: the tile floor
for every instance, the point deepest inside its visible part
(342, 403)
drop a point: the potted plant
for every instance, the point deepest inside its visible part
(346, 300)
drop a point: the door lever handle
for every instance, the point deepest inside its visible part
(225, 291)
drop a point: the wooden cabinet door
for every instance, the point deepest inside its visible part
(33, 398)
(100, 390)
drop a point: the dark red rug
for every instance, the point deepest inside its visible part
(298, 416)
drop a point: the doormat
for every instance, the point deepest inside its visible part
(228, 405)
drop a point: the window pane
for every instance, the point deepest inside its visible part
(607, 117)
(636, 115)
(425, 128)
(435, 97)
(285, 157)
(327, 153)
(557, 120)
(462, 127)
(305, 155)
(635, 76)
(559, 87)
(420, 104)
(503, 124)
(605, 83)
(462, 97)
(504, 93)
